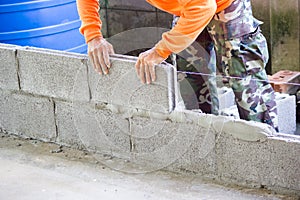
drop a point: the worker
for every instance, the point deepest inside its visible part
(238, 47)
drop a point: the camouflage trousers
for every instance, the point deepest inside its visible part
(231, 45)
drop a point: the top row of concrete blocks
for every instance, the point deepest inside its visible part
(70, 77)
(122, 86)
(8, 67)
(52, 73)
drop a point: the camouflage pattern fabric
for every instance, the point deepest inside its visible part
(240, 51)
(199, 91)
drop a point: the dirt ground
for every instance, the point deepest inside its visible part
(31, 169)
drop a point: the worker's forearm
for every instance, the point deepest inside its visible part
(90, 19)
(195, 16)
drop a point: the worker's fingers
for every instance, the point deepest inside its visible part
(145, 65)
(106, 61)
(147, 73)
(91, 57)
(96, 62)
(142, 72)
(101, 61)
(137, 67)
(99, 50)
(152, 72)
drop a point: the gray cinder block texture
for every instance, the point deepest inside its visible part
(186, 142)
(242, 161)
(285, 162)
(123, 87)
(286, 109)
(88, 127)
(177, 146)
(27, 116)
(271, 164)
(66, 130)
(8, 67)
(53, 73)
(200, 156)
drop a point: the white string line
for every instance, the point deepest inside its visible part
(233, 77)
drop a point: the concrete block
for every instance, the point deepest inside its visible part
(130, 5)
(200, 158)
(53, 73)
(284, 163)
(66, 130)
(8, 67)
(243, 162)
(226, 97)
(28, 116)
(286, 109)
(178, 145)
(97, 130)
(122, 86)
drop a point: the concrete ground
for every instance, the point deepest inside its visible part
(34, 170)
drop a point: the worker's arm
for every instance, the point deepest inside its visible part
(98, 48)
(194, 17)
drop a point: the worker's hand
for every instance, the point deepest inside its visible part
(99, 50)
(145, 65)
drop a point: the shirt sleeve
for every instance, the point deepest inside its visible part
(90, 19)
(195, 15)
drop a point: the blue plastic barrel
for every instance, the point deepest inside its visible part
(51, 24)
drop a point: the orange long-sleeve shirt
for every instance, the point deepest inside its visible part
(194, 17)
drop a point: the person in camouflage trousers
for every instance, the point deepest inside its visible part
(233, 45)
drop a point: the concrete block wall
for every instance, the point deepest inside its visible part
(57, 97)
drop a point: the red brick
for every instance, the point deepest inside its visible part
(285, 81)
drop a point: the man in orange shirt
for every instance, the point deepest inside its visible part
(238, 48)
